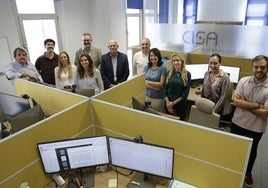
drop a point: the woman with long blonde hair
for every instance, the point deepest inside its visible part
(177, 88)
(64, 73)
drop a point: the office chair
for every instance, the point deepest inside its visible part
(202, 114)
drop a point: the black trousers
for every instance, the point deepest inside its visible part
(180, 110)
(256, 139)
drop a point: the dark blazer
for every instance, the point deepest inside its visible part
(107, 73)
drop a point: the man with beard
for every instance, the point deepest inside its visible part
(46, 63)
(21, 68)
(250, 116)
(87, 48)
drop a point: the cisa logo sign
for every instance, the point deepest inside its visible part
(200, 37)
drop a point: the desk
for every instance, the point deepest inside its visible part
(169, 116)
(192, 93)
(102, 179)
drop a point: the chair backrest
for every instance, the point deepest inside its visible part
(202, 113)
(228, 101)
(3, 116)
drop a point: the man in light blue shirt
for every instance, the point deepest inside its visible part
(21, 68)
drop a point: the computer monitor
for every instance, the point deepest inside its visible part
(233, 73)
(27, 118)
(73, 154)
(197, 70)
(145, 158)
(13, 105)
(136, 104)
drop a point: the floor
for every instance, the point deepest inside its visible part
(260, 170)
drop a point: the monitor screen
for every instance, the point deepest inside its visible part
(233, 73)
(13, 105)
(142, 157)
(63, 155)
(197, 70)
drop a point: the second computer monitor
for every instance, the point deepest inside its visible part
(198, 71)
(142, 157)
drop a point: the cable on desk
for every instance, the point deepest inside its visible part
(115, 169)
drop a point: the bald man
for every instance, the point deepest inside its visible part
(140, 59)
(114, 66)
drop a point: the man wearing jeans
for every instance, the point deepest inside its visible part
(250, 116)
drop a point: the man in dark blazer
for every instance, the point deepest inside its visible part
(114, 66)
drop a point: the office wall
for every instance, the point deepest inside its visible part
(105, 20)
(8, 24)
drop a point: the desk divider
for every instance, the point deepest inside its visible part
(203, 157)
(19, 156)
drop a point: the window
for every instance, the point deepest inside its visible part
(190, 11)
(38, 17)
(257, 12)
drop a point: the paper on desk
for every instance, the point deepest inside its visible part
(112, 183)
(178, 184)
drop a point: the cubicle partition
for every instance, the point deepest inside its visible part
(122, 93)
(203, 157)
(69, 116)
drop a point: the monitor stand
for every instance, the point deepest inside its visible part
(141, 180)
(85, 178)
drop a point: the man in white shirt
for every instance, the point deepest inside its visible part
(21, 68)
(140, 58)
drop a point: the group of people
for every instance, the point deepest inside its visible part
(90, 70)
(167, 90)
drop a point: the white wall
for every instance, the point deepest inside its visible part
(104, 19)
(8, 25)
